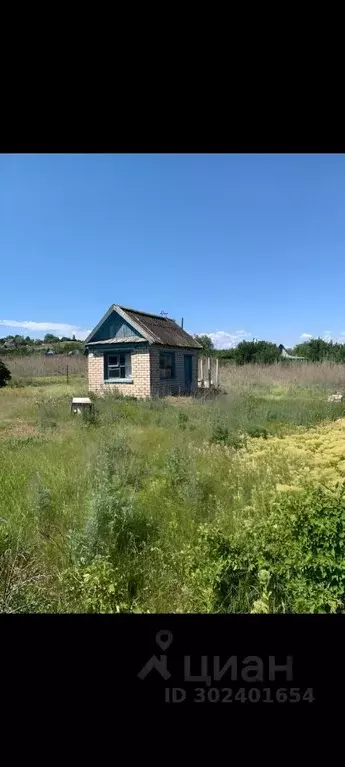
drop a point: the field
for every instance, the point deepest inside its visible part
(230, 504)
(31, 368)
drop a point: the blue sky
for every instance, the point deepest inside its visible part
(241, 246)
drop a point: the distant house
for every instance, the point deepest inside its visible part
(141, 355)
(286, 356)
(49, 353)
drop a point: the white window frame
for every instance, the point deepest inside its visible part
(116, 365)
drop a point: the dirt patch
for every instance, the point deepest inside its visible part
(19, 430)
(187, 400)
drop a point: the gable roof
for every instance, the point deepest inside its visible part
(153, 328)
(288, 356)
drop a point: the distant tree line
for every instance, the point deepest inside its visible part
(317, 350)
(20, 345)
(265, 352)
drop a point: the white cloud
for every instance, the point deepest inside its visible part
(222, 339)
(327, 336)
(60, 328)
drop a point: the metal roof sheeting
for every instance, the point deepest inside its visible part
(153, 327)
(162, 329)
(288, 356)
(119, 340)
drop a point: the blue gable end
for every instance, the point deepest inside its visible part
(115, 327)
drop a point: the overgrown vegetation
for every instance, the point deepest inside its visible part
(36, 369)
(20, 346)
(265, 352)
(5, 375)
(175, 505)
(289, 560)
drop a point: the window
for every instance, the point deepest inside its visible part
(167, 365)
(117, 367)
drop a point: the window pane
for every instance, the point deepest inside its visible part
(113, 372)
(119, 366)
(166, 364)
(128, 366)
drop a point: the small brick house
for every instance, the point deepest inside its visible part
(141, 355)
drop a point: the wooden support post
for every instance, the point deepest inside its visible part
(202, 370)
(217, 373)
(209, 372)
(67, 373)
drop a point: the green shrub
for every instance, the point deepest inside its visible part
(293, 560)
(220, 434)
(91, 416)
(97, 587)
(176, 467)
(5, 375)
(116, 524)
(182, 420)
(257, 432)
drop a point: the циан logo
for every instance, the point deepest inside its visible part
(164, 640)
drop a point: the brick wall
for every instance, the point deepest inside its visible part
(140, 375)
(177, 386)
(145, 374)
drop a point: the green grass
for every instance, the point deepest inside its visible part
(277, 409)
(120, 514)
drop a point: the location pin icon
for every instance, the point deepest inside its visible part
(164, 639)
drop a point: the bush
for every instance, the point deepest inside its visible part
(220, 434)
(90, 416)
(262, 352)
(115, 524)
(292, 561)
(257, 432)
(97, 587)
(182, 420)
(176, 468)
(5, 374)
